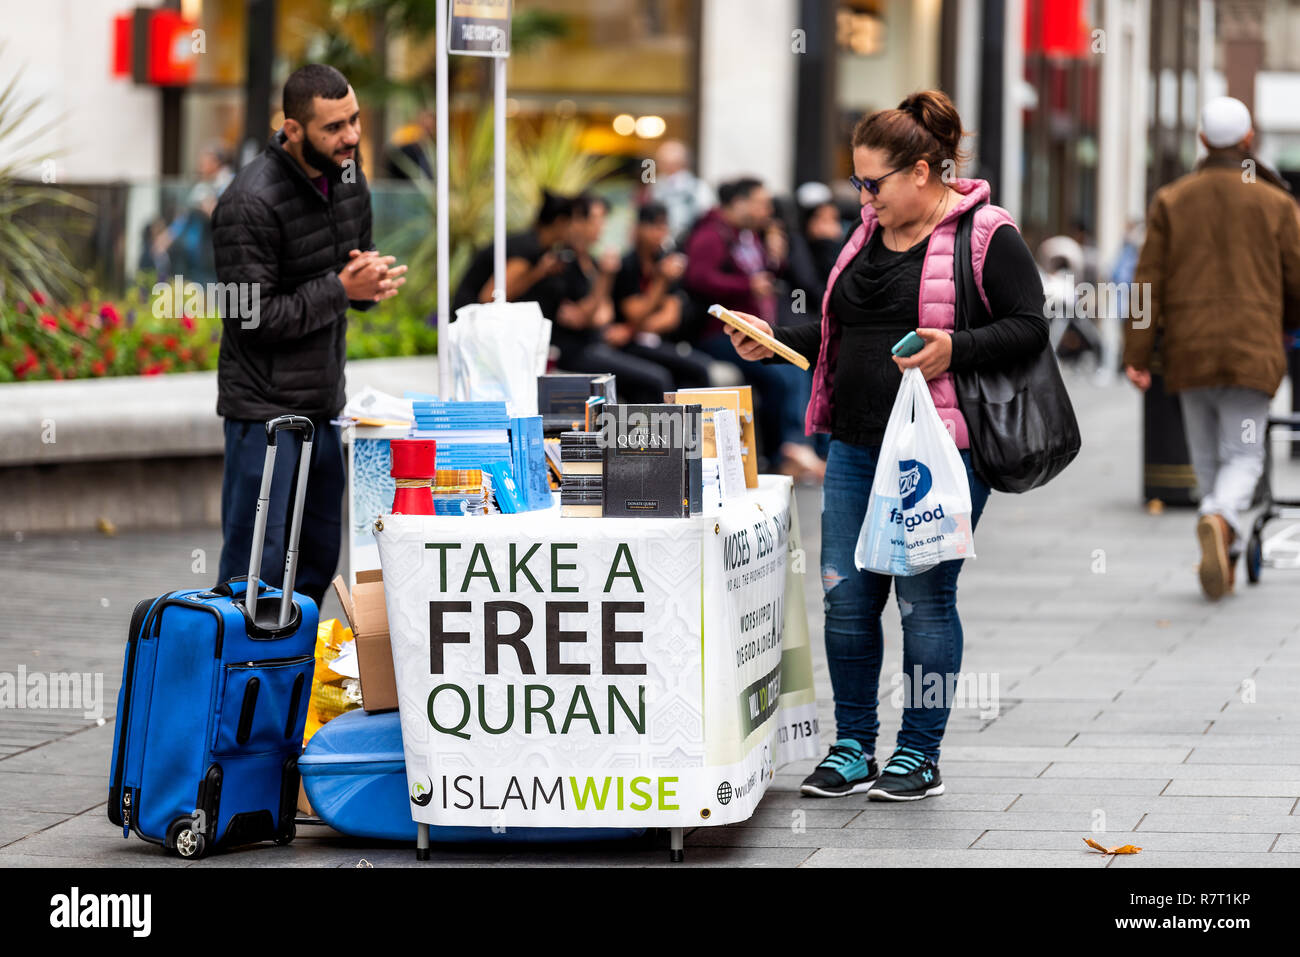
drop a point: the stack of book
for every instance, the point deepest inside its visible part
(581, 483)
(651, 458)
(460, 492)
(562, 399)
(528, 454)
(470, 435)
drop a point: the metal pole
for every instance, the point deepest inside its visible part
(442, 149)
(499, 190)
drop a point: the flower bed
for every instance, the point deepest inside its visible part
(144, 335)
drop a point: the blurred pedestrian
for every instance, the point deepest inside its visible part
(1222, 260)
(731, 259)
(895, 276)
(408, 154)
(675, 185)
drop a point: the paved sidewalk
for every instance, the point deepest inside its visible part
(1128, 709)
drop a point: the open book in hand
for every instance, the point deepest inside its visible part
(729, 318)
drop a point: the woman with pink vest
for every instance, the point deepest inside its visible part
(895, 275)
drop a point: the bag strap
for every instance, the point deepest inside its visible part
(968, 303)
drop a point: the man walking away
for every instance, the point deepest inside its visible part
(1222, 257)
(292, 232)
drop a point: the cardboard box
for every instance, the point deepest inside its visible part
(304, 806)
(368, 618)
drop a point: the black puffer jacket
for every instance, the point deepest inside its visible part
(273, 227)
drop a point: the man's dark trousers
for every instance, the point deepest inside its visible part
(318, 548)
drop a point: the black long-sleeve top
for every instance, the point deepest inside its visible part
(875, 301)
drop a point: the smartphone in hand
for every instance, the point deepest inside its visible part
(909, 345)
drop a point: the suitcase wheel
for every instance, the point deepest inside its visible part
(286, 836)
(185, 840)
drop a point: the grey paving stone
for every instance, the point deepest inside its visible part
(1205, 772)
(1222, 823)
(1255, 806)
(1287, 844)
(1233, 787)
(1148, 841)
(1200, 859)
(67, 793)
(17, 824)
(893, 815)
(846, 857)
(808, 813)
(873, 838)
(1146, 723)
(955, 768)
(1114, 786)
(955, 801)
(1241, 756)
(1125, 739)
(1072, 754)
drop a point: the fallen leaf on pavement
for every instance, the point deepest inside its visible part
(1126, 849)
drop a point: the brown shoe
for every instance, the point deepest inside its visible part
(1212, 531)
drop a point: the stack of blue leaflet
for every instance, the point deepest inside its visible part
(529, 454)
(470, 435)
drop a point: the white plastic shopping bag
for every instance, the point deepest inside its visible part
(497, 350)
(919, 513)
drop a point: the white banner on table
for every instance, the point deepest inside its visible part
(613, 673)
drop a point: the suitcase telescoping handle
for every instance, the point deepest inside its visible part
(273, 429)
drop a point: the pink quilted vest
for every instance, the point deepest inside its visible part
(937, 307)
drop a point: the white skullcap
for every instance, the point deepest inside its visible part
(813, 194)
(1225, 122)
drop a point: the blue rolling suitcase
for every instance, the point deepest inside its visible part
(214, 699)
(354, 773)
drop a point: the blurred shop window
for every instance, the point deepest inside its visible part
(860, 27)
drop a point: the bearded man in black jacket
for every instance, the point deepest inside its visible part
(292, 234)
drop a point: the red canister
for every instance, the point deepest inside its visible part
(414, 466)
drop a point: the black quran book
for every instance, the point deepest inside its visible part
(694, 464)
(645, 461)
(562, 398)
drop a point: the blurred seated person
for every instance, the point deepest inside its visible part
(586, 313)
(535, 262)
(648, 304)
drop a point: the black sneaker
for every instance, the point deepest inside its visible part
(909, 776)
(846, 769)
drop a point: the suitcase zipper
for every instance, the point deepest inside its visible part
(126, 814)
(274, 662)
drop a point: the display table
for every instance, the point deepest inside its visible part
(567, 672)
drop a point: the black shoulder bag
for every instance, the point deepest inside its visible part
(1022, 426)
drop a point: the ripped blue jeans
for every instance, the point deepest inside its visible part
(854, 600)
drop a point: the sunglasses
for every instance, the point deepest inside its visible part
(872, 186)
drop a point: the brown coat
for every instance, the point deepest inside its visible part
(1223, 260)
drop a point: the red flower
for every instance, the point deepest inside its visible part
(98, 367)
(112, 318)
(187, 323)
(38, 298)
(186, 355)
(152, 370)
(110, 354)
(49, 322)
(170, 343)
(141, 355)
(21, 307)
